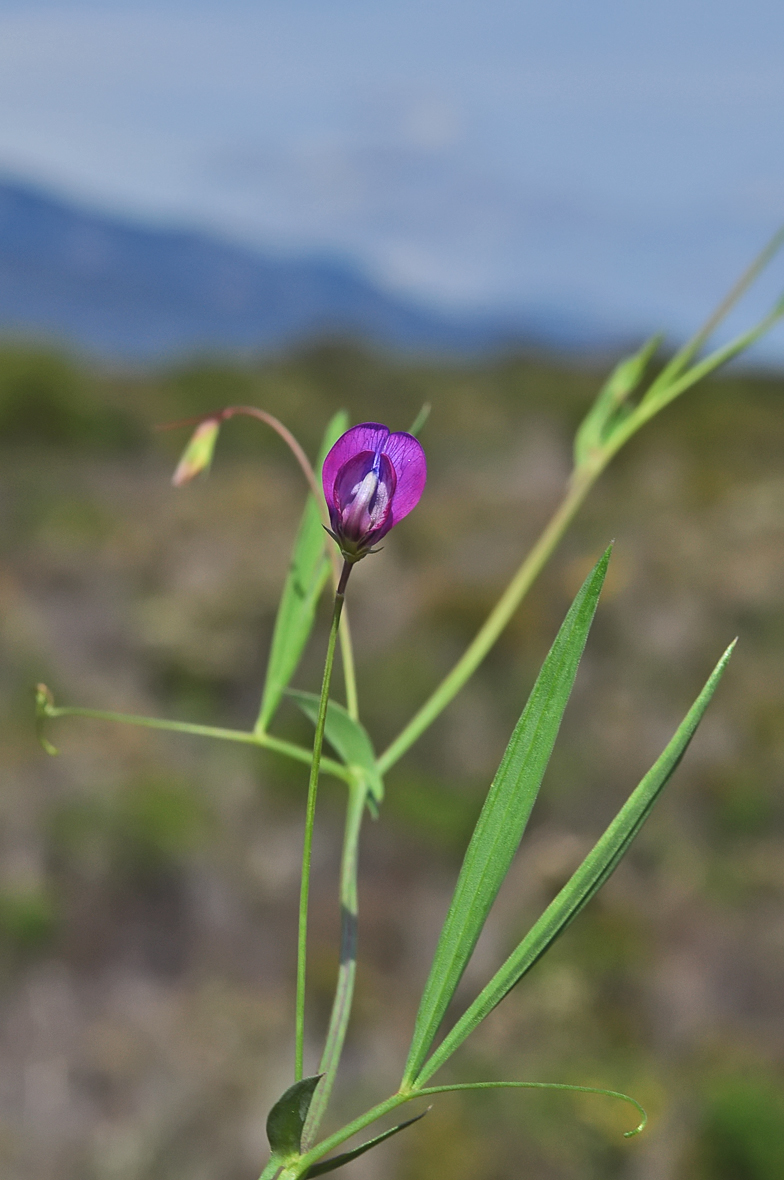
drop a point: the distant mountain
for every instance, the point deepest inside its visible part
(142, 293)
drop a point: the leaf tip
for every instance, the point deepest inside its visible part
(604, 560)
(726, 655)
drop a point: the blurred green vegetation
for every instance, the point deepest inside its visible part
(28, 918)
(140, 830)
(742, 1129)
(45, 400)
(148, 882)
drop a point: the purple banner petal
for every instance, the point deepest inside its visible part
(410, 465)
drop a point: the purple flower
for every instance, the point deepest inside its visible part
(372, 479)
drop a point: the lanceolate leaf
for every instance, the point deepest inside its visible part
(307, 576)
(581, 887)
(287, 1117)
(348, 738)
(346, 1157)
(504, 816)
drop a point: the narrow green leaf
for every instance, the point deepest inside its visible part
(659, 396)
(418, 424)
(287, 1117)
(584, 883)
(610, 402)
(346, 1157)
(307, 576)
(348, 738)
(504, 816)
(661, 393)
(689, 350)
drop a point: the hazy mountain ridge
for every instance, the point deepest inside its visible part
(139, 292)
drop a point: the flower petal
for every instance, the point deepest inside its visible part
(368, 436)
(408, 460)
(363, 495)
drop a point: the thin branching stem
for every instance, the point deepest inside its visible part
(264, 740)
(310, 814)
(349, 670)
(670, 384)
(689, 350)
(299, 1167)
(344, 992)
(261, 416)
(346, 650)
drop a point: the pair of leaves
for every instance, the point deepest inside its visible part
(614, 418)
(307, 577)
(598, 865)
(504, 816)
(498, 832)
(287, 1118)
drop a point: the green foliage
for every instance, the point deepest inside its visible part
(28, 917)
(434, 811)
(161, 822)
(742, 1135)
(337, 1161)
(44, 399)
(307, 576)
(287, 1117)
(743, 804)
(142, 829)
(600, 863)
(348, 738)
(504, 817)
(612, 403)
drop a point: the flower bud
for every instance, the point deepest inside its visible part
(197, 456)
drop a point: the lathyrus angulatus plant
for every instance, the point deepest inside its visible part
(371, 478)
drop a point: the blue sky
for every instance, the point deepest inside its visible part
(604, 158)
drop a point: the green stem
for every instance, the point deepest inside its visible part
(272, 1169)
(318, 741)
(344, 992)
(583, 479)
(349, 671)
(542, 1086)
(425, 1091)
(581, 483)
(299, 753)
